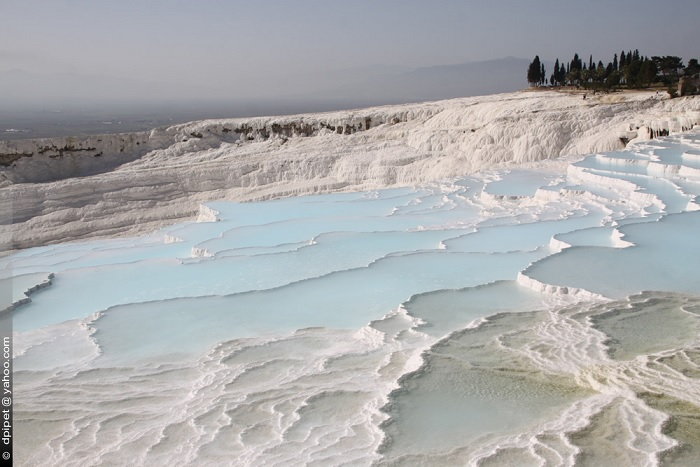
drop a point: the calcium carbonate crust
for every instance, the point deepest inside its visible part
(61, 189)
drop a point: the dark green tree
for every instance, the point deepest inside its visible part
(534, 72)
(574, 77)
(613, 80)
(543, 75)
(631, 73)
(576, 63)
(585, 76)
(599, 75)
(647, 73)
(669, 66)
(629, 68)
(562, 75)
(692, 73)
(559, 73)
(693, 67)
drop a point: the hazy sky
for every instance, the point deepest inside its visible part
(228, 47)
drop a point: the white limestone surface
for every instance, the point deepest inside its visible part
(62, 189)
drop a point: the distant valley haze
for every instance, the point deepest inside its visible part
(78, 66)
(56, 104)
(375, 83)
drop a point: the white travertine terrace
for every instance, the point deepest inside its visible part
(61, 189)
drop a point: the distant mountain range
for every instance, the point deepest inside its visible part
(443, 82)
(367, 84)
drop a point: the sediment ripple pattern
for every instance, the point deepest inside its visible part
(539, 315)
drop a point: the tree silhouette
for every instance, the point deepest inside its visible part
(534, 72)
(693, 67)
(543, 77)
(630, 69)
(647, 73)
(669, 66)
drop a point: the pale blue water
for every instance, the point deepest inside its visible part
(521, 183)
(594, 236)
(665, 257)
(277, 333)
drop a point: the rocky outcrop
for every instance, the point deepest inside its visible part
(51, 159)
(143, 180)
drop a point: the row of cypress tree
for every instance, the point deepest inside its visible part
(630, 70)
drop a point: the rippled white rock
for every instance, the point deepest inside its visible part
(112, 184)
(497, 319)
